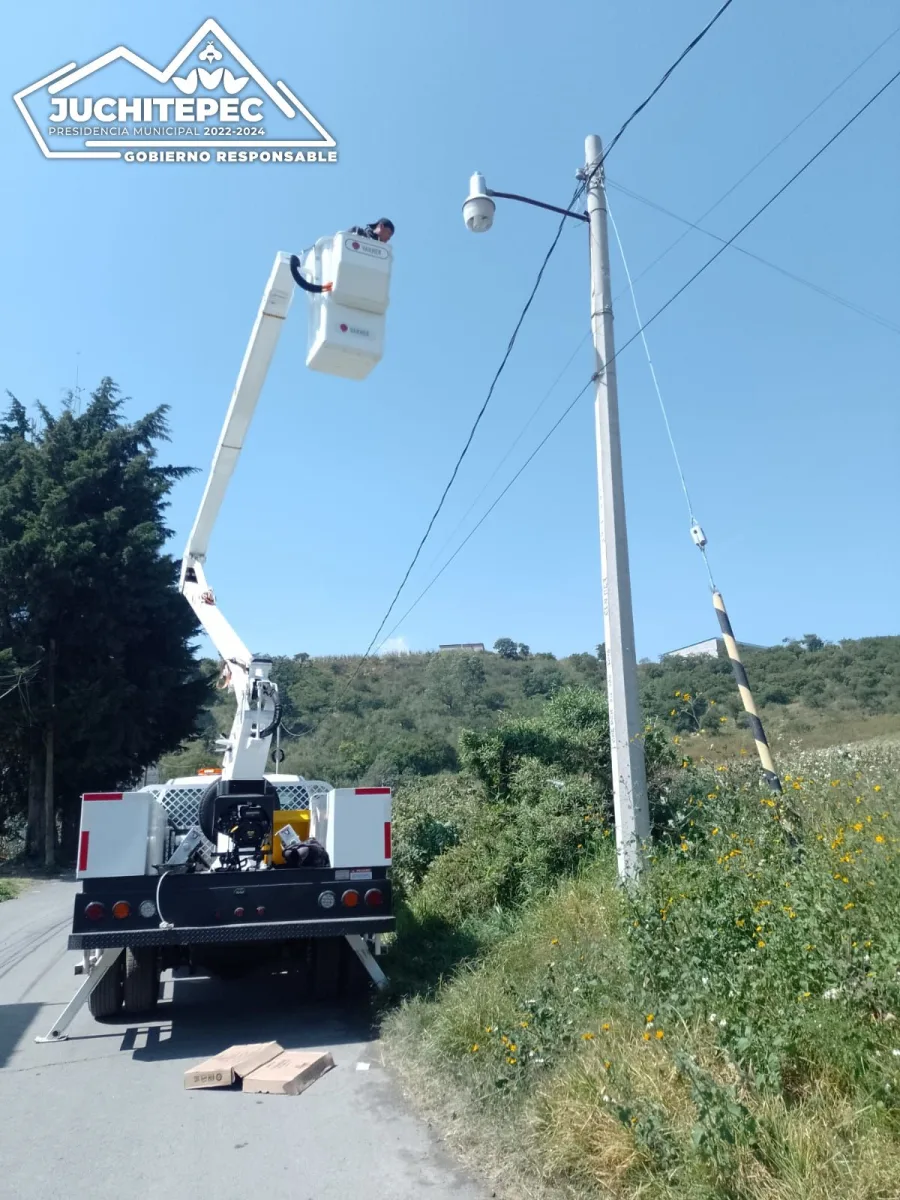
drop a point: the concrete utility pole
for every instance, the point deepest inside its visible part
(626, 734)
(632, 812)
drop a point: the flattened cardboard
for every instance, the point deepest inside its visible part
(289, 1074)
(234, 1063)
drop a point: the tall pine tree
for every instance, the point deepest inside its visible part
(96, 654)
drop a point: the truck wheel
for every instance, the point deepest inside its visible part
(140, 989)
(106, 998)
(327, 968)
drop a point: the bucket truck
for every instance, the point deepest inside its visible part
(240, 867)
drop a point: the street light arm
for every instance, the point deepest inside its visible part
(537, 204)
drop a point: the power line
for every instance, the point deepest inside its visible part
(649, 322)
(512, 447)
(640, 108)
(578, 191)
(812, 112)
(857, 308)
(784, 187)
(465, 449)
(485, 515)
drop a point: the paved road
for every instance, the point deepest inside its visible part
(104, 1115)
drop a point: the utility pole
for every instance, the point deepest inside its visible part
(632, 812)
(49, 806)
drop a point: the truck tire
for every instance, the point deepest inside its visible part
(106, 998)
(140, 988)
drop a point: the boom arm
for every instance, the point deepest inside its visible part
(247, 746)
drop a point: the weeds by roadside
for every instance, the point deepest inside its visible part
(730, 1030)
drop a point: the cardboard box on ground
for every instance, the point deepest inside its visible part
(261, 1067)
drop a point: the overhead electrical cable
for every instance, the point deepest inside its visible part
(768, 154)
(857, 308)
(578, 192)
(763, 208)
(640, 108)
(477, 422)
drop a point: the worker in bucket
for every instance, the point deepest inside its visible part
(381, 230)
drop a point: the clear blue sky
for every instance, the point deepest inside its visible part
(784, 403)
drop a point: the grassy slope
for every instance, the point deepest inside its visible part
(729, 1033)
(10, 888)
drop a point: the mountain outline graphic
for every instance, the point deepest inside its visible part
(279, 93)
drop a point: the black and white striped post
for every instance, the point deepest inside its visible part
(740, 675)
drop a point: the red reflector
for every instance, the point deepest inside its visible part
(261, 910)
(372, 791)
(374, 898)
(95, 911)
(121, 909)
(83, 851)
(387, 839)
(102, 796)
(350, 899)
(238, 912)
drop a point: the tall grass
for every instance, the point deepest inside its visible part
(729, 1029)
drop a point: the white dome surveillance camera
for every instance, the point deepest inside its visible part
(478, 210)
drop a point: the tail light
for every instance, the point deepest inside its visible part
(350, 899)
(239, 912)
(121, 909)
(326, 899)
(374, 898)
(95, 911)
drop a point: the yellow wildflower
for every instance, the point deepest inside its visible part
(879, 839)
(660, 1035)
(605, 1026)
(646, 1037)
(588, 1037)
(475, 1048)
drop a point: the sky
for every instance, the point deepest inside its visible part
(783, 403)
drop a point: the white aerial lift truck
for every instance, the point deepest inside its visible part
(241, 868)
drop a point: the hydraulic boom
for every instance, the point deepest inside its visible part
(258, 712)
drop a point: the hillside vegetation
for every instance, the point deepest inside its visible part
(399, 717)
(726, 1031)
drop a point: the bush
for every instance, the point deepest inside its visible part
(727, 1029)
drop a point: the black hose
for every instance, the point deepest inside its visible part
(304, 283)
(276, 721)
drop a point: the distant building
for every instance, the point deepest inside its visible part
(478, 647)
(707, 649)
(711, 648)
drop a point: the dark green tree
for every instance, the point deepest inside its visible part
(506, 648)
(91, 620)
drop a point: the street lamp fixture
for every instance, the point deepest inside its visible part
(629, 779)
